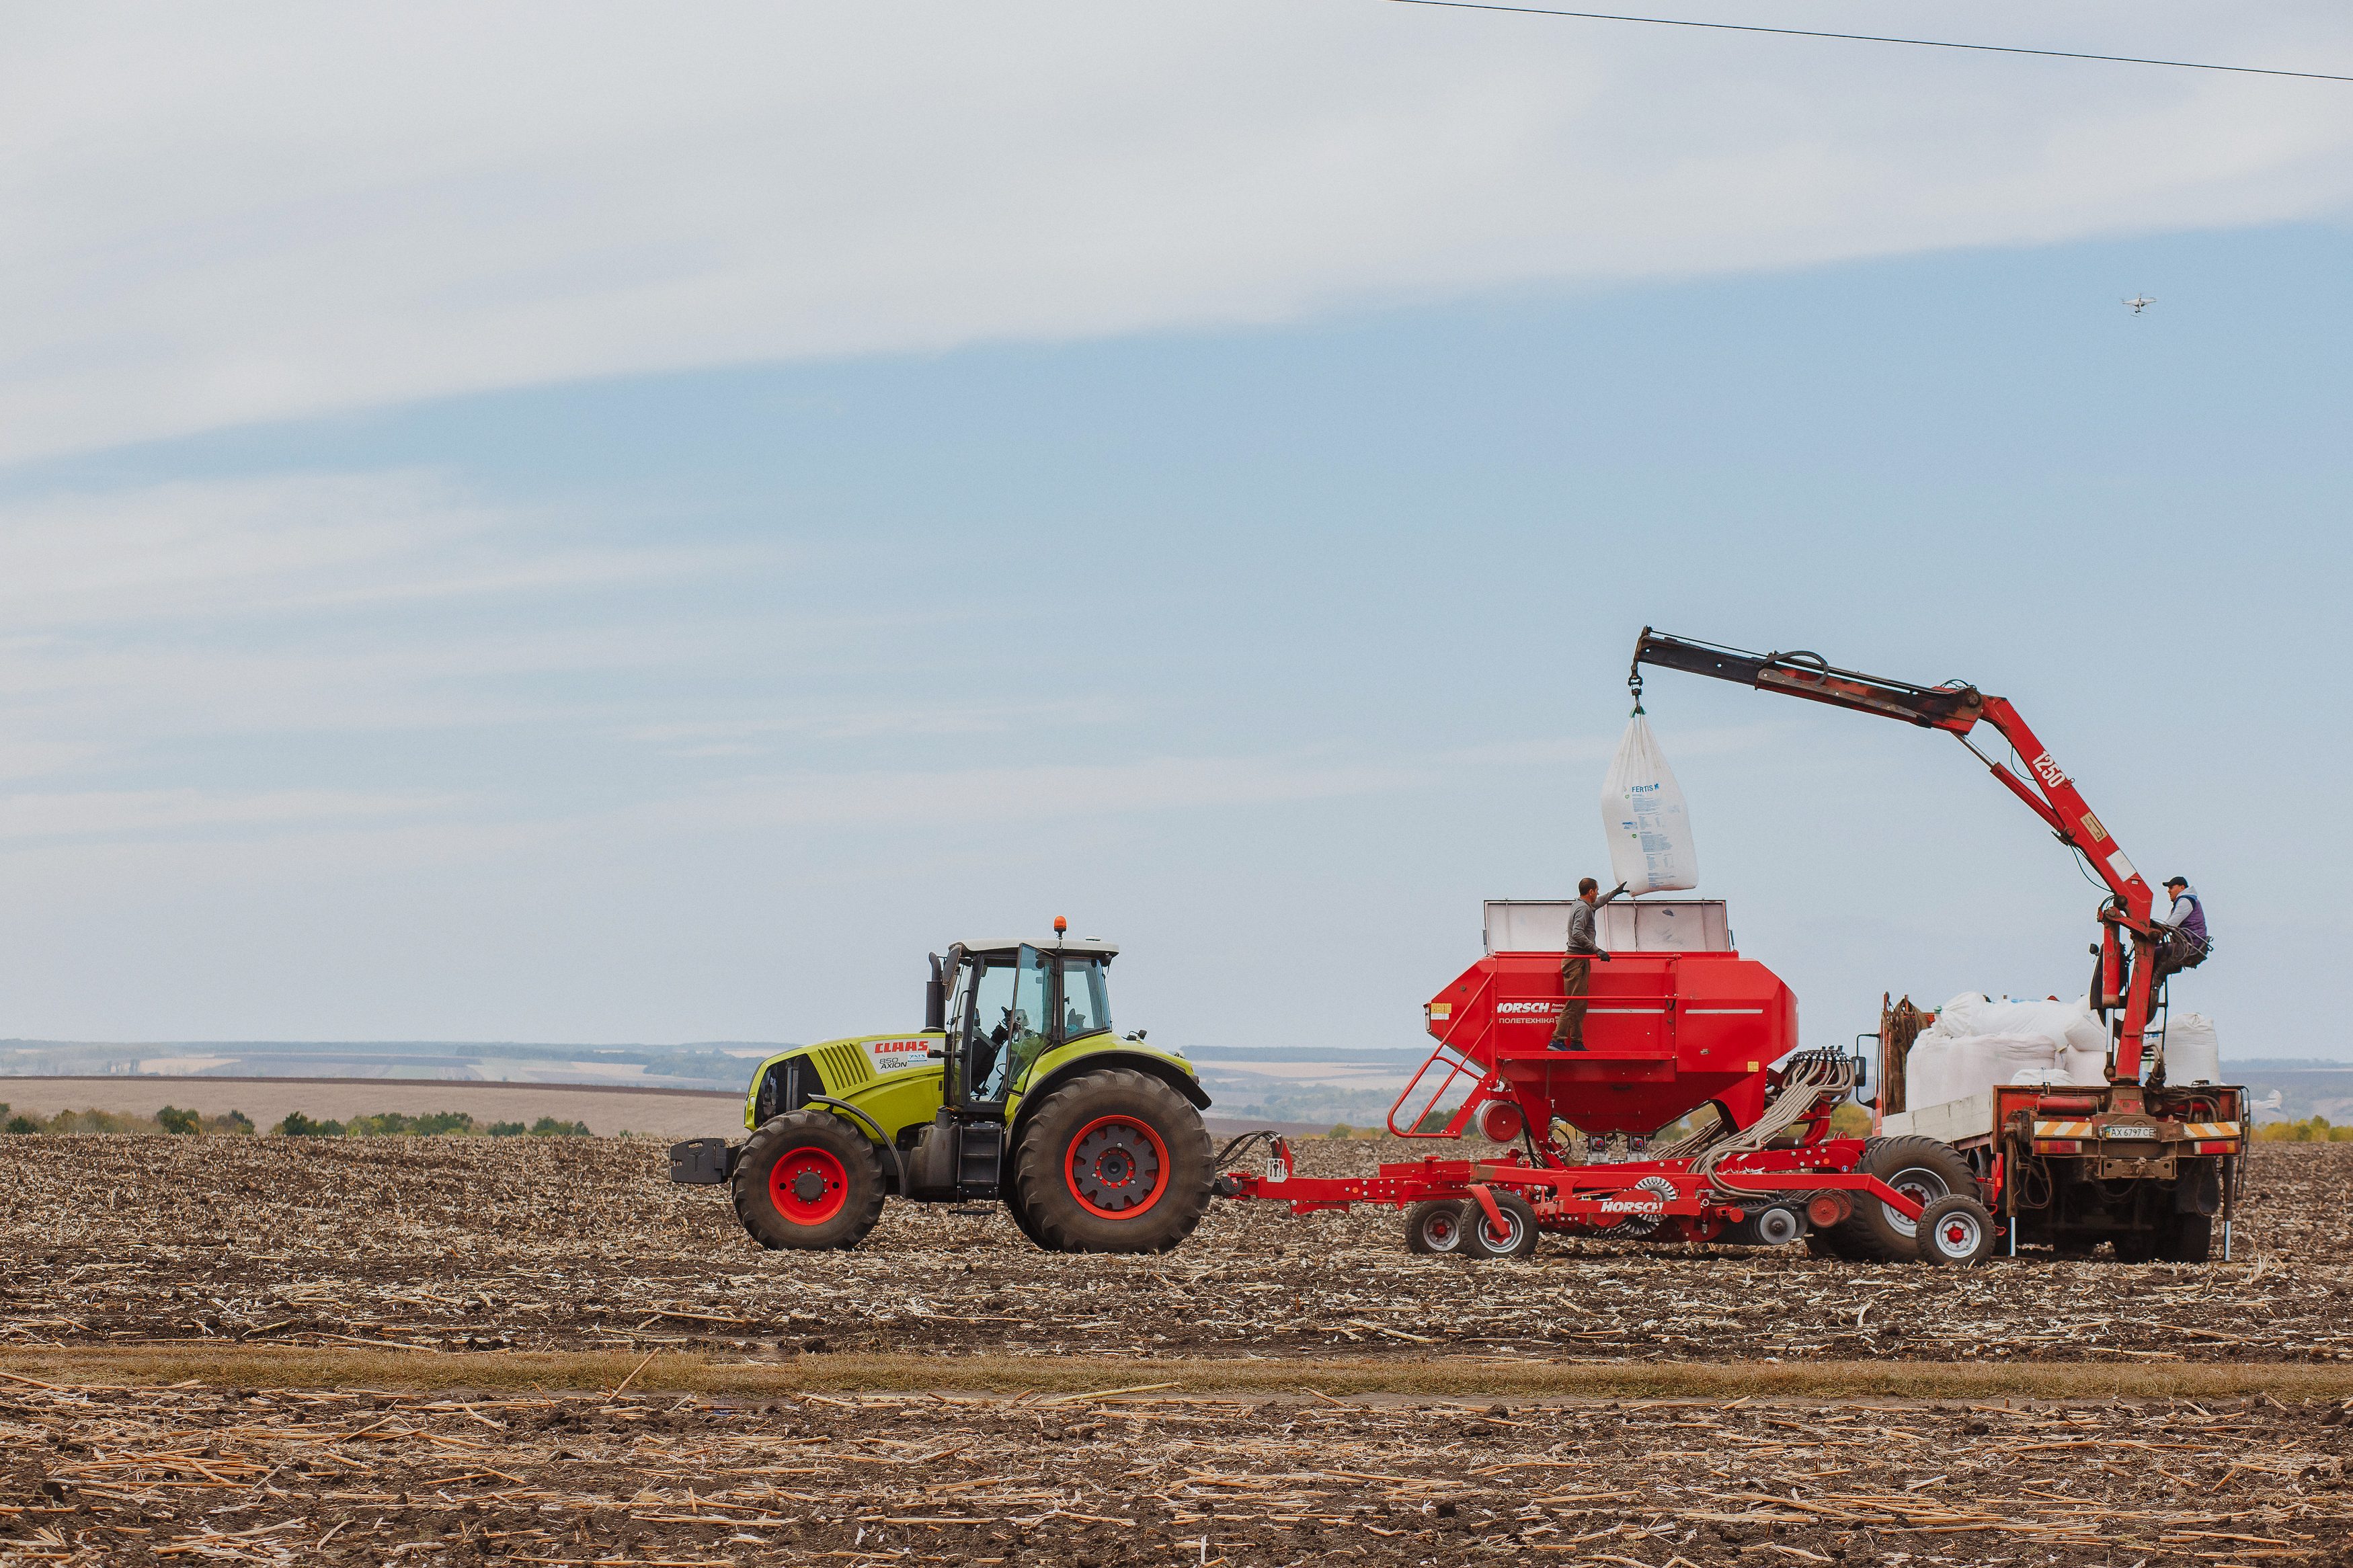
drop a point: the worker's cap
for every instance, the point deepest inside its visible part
(2176, 881)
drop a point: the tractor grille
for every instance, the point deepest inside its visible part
(843, 1068)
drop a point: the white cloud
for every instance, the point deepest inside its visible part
(180, 812)
(288, 543)
(270, 211)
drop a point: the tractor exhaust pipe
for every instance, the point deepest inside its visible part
(935, 999)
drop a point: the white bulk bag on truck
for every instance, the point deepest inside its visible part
(1980, 1061)
(1642, 812)
(2193, 1051)
(1925, 1067)
(2088, 1068)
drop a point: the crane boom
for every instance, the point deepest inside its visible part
(2050, 795)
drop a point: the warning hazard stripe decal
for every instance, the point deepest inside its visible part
(2089, 1130)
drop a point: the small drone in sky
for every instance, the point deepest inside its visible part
(2140, 302)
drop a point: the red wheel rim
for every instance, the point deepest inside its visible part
(1118, 1167)
(808, 1185)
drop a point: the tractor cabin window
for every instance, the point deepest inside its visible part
(996, 1022)
(1086, 1000)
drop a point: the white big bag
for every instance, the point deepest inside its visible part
(1642, 812)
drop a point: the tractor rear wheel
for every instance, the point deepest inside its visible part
(809, 1181)
(1116, 1160)
(1434, 1229)
(1022, 1223)
(1921, 1169)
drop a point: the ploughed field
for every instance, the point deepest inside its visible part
(164, 1475)
(366, 1261)
(580, 1244)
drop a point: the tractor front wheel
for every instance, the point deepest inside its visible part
(1116, 1160)
(809, 1181)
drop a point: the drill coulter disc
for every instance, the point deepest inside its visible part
(1640, 1225)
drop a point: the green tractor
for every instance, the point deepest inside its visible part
(1015, 1089)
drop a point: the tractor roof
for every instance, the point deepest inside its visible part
(1089, 947)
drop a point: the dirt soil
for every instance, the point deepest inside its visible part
(583, 1243)
(181, 1474)
(405, 1251)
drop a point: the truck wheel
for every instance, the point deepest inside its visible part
(1955, 1232)
(1434, 1229)
(2134, 1246)
(807, 1180)
(2189, 1239)
(1482, 1241)
(1923, 1170)
(1114, 1161)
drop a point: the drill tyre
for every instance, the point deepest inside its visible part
(1954, 1232)
(1480, 1244)
(1924, 1169)
(2190, 1238)
(809, 1181)
(1434, 1229)
(1116, 1160)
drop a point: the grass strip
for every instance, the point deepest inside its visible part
(585, 1372)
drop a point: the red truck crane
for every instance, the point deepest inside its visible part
(2143, 1166)
(1681, 1026)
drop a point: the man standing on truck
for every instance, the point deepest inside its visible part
(1576, 964)
(2185, 945)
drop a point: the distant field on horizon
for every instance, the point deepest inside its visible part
(607, 1108)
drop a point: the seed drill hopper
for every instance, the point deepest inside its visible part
(1678, 1025)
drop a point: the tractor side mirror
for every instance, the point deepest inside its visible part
(935, 999)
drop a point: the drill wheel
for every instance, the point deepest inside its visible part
(1482, 1241)
(1434, 1229)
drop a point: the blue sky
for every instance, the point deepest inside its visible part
(637, 695)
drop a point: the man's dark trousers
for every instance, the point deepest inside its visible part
(1576, 976)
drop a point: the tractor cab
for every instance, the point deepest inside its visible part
(1002, 1005)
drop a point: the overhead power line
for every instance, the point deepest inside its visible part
(1867, 38)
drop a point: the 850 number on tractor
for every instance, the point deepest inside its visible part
(1015, 1091)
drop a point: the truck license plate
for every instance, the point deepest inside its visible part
(2130, 1132)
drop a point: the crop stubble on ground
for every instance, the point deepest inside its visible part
(263, 1252)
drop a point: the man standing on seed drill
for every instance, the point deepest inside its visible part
(1576, 964)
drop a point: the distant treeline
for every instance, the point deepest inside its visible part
(439, 1124)
(172, 1121)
